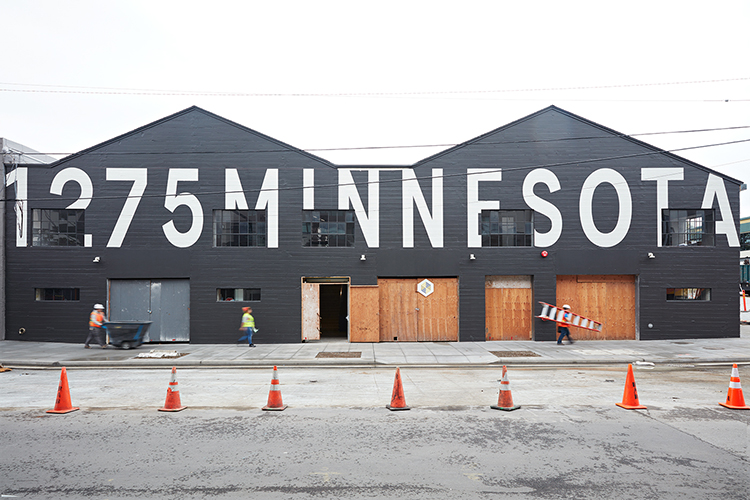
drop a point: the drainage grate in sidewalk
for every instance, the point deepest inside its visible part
(332, 354)
(515, 354)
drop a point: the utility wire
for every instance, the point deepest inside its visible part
(461, 174)
(71, 89)
(371, 148)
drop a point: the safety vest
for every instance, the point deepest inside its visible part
(96, 319)
(248, 321)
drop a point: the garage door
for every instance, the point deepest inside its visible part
(507, 307)
(608, 299)
(406, 315)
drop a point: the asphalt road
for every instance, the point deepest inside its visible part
(336, 439)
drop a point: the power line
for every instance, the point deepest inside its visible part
(72, 89)
(369, 148)
(460, 174)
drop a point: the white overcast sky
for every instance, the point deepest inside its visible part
(347, 74)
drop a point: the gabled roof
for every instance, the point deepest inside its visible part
(191, 109)
(573, 116)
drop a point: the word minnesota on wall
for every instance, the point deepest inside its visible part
(368, 218)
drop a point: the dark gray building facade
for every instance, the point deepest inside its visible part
(184, 221)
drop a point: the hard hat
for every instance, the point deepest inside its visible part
(566, 306)
(98, 306)
(245, 309)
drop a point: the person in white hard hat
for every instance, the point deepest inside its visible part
(96, 320)
(562, 325)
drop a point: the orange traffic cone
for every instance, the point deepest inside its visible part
(62, 404)
(274, 395)
(172, 402)
(398, 400)
(505, 399)
(735, 399)
(630, 397)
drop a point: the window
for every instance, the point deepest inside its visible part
(238, 294)
(57, 228)
(57, 294)
(506, 228)
(688, 294)
(328, 228)
(239, 228)
(687, 228)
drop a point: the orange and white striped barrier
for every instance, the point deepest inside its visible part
(172, 403)
(62, 403)
(398, 400)
(274, 394)
(735, 399)
(505, 399)
(553, 313)
(630, 396)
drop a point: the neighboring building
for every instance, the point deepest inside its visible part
(12, 154)
(185, 220)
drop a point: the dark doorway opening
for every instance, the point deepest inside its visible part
(334, 308)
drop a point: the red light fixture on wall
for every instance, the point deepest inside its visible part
(544, 253)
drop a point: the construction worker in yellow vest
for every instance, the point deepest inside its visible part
(248, 325)
(96, 332)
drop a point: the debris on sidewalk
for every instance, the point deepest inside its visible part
(3, 369)
(153, 353)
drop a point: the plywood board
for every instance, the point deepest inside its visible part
(608, 299)
(408, 316)
(310, 311)
(508, 313)
(364, 313)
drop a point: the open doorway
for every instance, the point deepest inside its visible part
(325, 309)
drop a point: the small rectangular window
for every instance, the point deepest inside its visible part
(57, 228)
(328, 228)
(683, 228)
(506, 228)
(688, 294)
(44, 294)
(238, 294)
(239, 228)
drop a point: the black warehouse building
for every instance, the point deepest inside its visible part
(184, 221)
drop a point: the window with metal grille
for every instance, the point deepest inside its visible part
(239, 228)
(507, 228)
(328, 228)
(688, 294)
(238, 294)
(57, 228)
(682, 228)
(44, 294)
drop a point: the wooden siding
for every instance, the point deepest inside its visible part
(609, 300)
(408, 316)
(364, 323)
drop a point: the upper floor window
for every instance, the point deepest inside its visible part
(239, 228)
(506, 228)
(57, 228)
(687, 228)
(328, 228)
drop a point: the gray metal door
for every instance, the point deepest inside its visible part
(166, 303)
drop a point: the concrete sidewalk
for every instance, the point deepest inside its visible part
(342, 353)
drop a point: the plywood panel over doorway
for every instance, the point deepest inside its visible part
(508, 307)
(408, 316)
(364, 314)
(608, 299)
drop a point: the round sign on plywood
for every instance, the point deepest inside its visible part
(425, 287)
